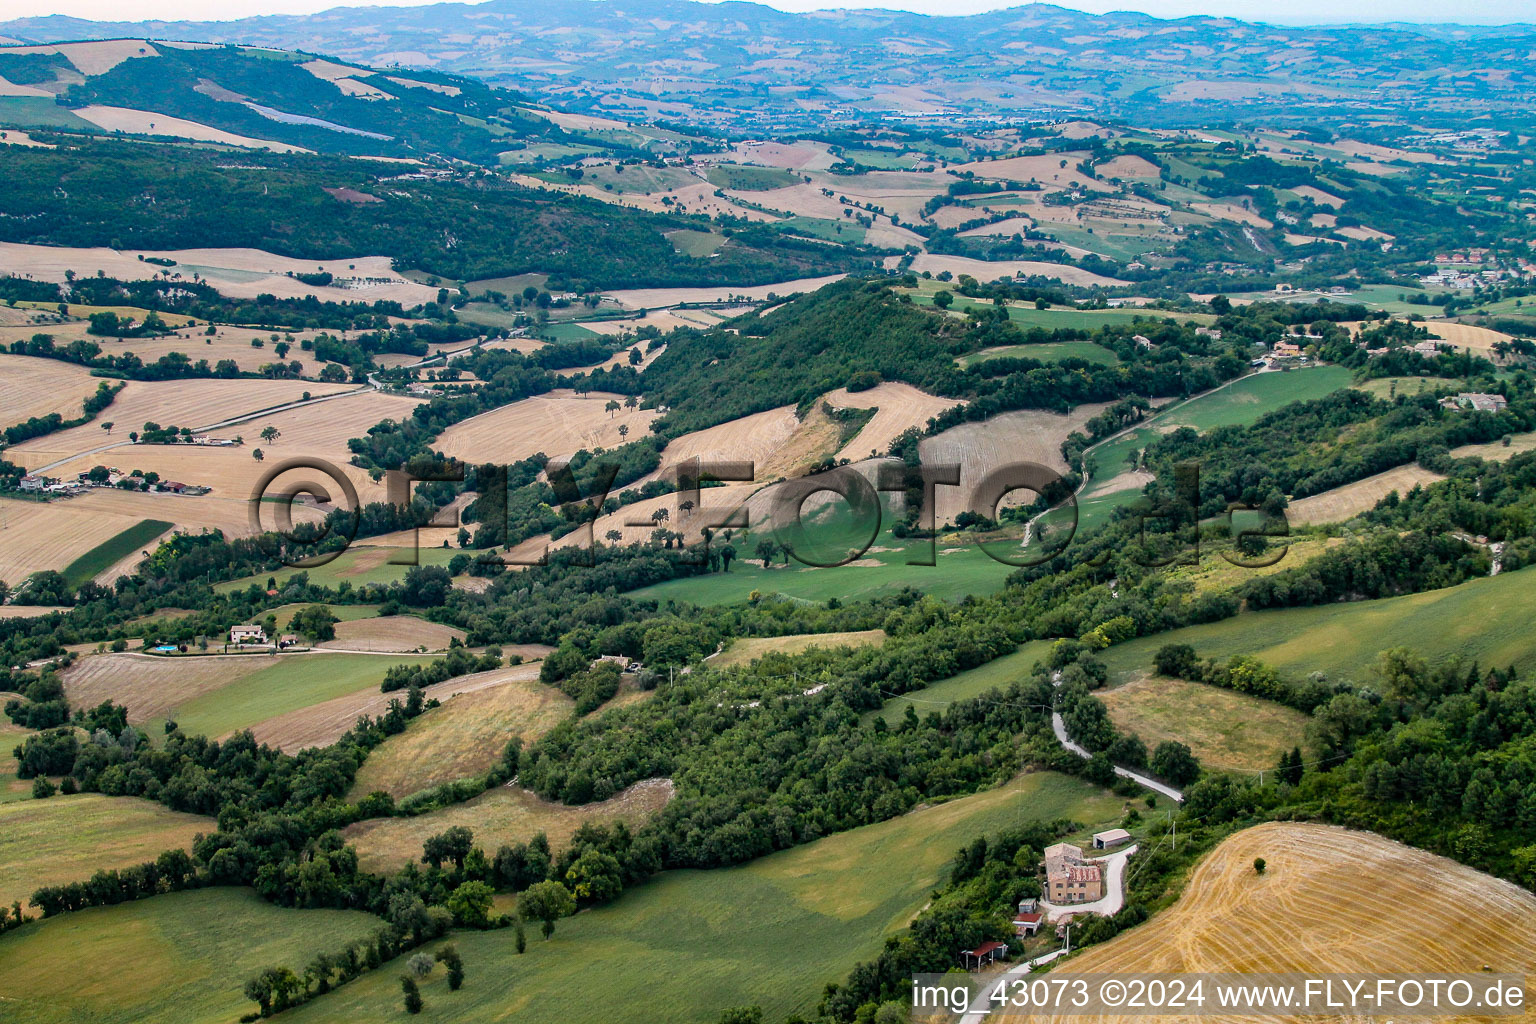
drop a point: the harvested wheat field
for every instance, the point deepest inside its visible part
(1226, 730)
(231, 343)
(652, 298)
(1341, 503)
(745, 650)
(979, 447)
(1046, 169)
(95, 58)
(29, 611)
(149, 122)
(558, 424)
(393, 633)
(59, 531)
(1309, 912)
(151, 687)
(500, 817)
(36, 387)
(464, 737)
(1497, 451)
(897, 407)
(36, 535)
(323, 723)
(1128, 166)
(1478, 339)
(239, 273)
(194, 403)
(776, 442)
(984, 271)
(1232, 212)
(70, 838)
(761, 439)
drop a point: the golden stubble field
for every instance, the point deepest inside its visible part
(558, 424)
(1330, 900)
(227, 343)
(978, 447)
(151, 687)
(897, 407)
(1348, 501)
(36, 387)
(500, 817)
(464, 737)
(238, 273)
(324, 722)
(194, 403)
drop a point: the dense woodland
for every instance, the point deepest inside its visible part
(131, 196)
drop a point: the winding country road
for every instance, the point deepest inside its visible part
(1060, 729)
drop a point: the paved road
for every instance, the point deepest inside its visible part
(1060, 729)
(981, 1004)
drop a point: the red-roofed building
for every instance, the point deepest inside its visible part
(1025, 925)
(983, 954)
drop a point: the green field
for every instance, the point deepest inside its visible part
(961, 569)
(41, 112)
(69, 838)
(1000, 673)
(1256, 395)
(356, 565)
(823, 227)
(1050, 352)
(11, 787)
(1487, 619)
(113, 550)
(770, 933)
(1224, 729)
(292, 682)
(745, 178)
(558, 332)
(1027, 315)
(176, 959)
(696, 243)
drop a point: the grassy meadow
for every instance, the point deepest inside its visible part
(291, 682)
(357, 565)
(69, 838)
(999, 673)
(1226, 730)
(182, 958)
(1047, 352)
(1487, 619)
(770, 932)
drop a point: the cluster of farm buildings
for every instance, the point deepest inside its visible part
(1071, 880)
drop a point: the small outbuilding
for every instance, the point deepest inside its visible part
(975, 959)
(1110, 839)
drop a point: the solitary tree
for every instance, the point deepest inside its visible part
(611, 407)
(449, 955)
(413, 1002)
(623, 430)
(270, 433)
(107, 426)
(766, 549)
(1259, 865)
(632, 401)
(257, 454)
(547, 902)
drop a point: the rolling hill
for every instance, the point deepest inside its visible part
(747, 62)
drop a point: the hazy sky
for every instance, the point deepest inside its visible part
(1482, 12)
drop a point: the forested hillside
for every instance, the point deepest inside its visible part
(89, 193)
